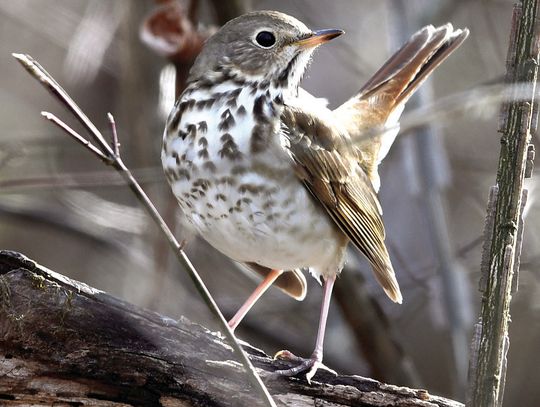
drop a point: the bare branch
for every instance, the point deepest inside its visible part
(115, 143)
(38, 72)
(80, 139)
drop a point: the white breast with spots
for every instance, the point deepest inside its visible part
(239, 192)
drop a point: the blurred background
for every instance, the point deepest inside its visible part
(67, 211)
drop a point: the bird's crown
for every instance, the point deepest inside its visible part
(262, 44)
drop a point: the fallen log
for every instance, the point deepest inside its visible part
(66, 343)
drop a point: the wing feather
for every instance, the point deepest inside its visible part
(342, 176)
(329, 168)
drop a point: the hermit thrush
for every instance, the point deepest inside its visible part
(271, 177)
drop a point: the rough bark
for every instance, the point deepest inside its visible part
(66, 343)
(504, 223)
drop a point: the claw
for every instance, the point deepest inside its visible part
(310, 365)
(288, 356)
(314, 363)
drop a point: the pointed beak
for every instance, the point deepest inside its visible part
(318, 37)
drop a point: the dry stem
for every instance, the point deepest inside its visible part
(111, 156)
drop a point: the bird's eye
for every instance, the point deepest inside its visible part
(265, 39)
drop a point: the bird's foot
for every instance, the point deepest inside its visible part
(310, 365)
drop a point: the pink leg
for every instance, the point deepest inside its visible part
(260, 290)
(328, 286)
(315, 361)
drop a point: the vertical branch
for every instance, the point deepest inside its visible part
(487, 376)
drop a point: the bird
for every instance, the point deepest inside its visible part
(271, 177)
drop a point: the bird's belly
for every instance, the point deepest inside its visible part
(277, 225)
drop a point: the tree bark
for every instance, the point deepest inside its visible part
(66, 343)
(504, 222)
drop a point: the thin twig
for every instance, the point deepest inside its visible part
(114, 133)
(115, 160)
(38, 72)
(80, 139)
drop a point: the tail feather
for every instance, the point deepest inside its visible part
(371, 116)
(450, 40)
(404, 71)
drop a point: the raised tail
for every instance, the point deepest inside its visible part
(372, 116)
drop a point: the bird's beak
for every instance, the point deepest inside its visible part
(318, 37)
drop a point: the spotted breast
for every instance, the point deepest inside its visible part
(225, 158)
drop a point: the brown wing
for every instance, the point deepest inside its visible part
(291, 282)
(366, 115)
(328, 166)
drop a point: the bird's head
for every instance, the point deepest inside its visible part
(262, 45)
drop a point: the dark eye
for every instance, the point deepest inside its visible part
(265, 39)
